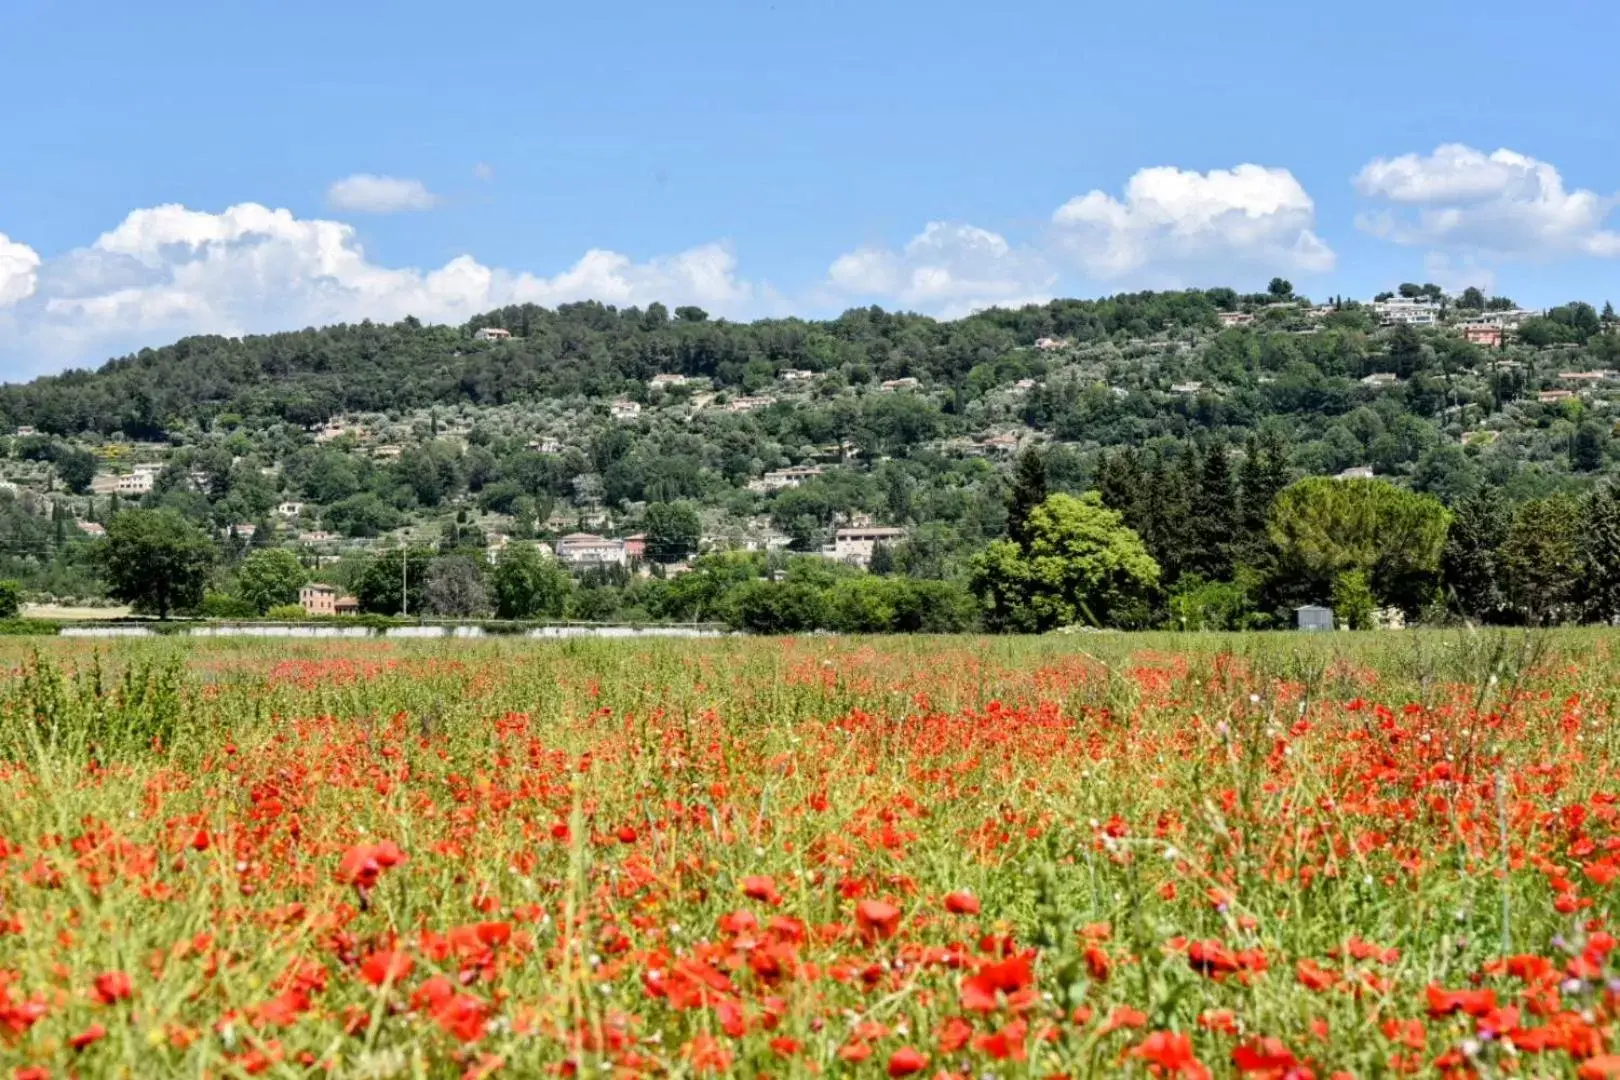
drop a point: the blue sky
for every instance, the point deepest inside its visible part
(772, 158)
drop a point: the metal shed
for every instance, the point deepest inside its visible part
(1313, 617)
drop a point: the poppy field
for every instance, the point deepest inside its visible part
(1267, 856)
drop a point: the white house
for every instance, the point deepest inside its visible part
(790, 477)
(855, 545)
(492, 333)
(290, 509)
(666, 380)
(749, 404)
(907, 383)
(1380, 379)
(625, 410)
(1412, 312)
(588, 549)
(1356, 472)
(797, 375)
(135, 483)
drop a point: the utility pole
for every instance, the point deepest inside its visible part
(404, 578)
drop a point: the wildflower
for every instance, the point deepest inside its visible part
(112, 987)
(1472, 1002)
(707, 1055)
(877, 919)
(761, 888)
(962, 903)
(386, 965)
(1170, 1053)
(89, 1036)
(1123, 1016)
(905, 1061)
(1006, 1044)
(1268, 1055)
(363, 864)
(955, 1034)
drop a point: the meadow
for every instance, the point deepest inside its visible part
(1179, 856)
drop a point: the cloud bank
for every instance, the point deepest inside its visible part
(168, 271)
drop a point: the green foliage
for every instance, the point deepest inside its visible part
(1028, 492)
(1353, 600)
(10, 599)
(454, 587)
(1197, 604)
(270, 578)
(673, 531)
(393, 577)
(1470, 562)
(776, 607)
(218, 605)
(1323, 528)
(1082, 566)
(76, 469)
(527, 584)
(1541, 559)
(287, 613)
(156, 561)
(1600, 555)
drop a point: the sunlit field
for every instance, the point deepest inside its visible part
(1274, 856)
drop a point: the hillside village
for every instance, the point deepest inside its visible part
(847, 460)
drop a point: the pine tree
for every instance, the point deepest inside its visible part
(1600, 554)
(1119, 482)
(1165, 503)
(1470, 565)
(1029, 491)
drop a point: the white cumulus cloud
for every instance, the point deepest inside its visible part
(364, 193)
(167, 271)
(19, 270)
(948, 269)
(1176, 226)
(1498, 206)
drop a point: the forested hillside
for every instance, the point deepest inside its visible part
(1188, 412)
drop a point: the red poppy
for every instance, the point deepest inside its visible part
(877, 919)
(1268, 1055)
(112, 987)
(1170, 1053)
(1006, 1044)
(707, 1055)
(954, 1035)
(1472, 1002)
(90, 1035)
(1123, 1016)
(761, 888)
(962, 903)
(386, 965)
(905, 1061)
(363, 864)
